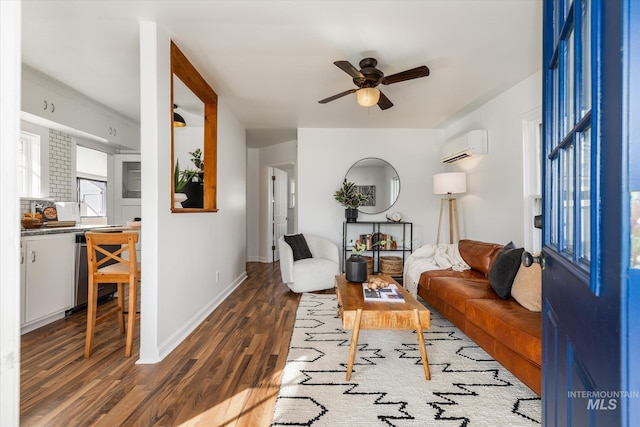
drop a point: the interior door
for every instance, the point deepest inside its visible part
(279, 200)
(586, 353)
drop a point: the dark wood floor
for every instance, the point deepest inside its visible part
(226, 373)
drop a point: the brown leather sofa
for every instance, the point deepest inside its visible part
(503, 328)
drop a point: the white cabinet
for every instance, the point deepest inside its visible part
(122, 133)
(47, 278)
(49, 104)
(49, 99)
(101, 123)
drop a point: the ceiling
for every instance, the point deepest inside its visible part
(272, 61)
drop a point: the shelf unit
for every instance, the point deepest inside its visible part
(402, 233)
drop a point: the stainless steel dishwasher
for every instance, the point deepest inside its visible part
(105, 291)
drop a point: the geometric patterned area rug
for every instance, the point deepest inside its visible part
(387, 387)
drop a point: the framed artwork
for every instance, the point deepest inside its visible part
(370, 192)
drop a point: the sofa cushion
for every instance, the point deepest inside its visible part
(504, 269)
(511, 324)
(298, 246)
(527, 287)
(426, 276)
(455, 292)
(478, 255)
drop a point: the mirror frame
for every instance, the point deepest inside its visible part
(185, 71)
(346, 177)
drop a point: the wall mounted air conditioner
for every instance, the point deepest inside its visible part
(467, 145)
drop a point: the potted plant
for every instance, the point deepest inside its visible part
(180, 179)
(192, 181)
(196, 159)
(349, 197)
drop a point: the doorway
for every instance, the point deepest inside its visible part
(281, 209)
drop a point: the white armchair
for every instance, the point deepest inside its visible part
(310, 274)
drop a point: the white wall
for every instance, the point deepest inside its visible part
(325, 156)
(492, 209)
(184, 253)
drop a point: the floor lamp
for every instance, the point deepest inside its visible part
(450, 183)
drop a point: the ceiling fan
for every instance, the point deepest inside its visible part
(369, 77)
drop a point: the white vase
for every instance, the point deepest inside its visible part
(178, 198)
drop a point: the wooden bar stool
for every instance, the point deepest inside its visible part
(124, 269)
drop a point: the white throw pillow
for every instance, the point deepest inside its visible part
(527, 287)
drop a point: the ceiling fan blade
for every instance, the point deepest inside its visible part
(384, 102)
(413, 73)
(349, 69)
(340, 95)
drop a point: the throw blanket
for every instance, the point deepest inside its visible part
(430, 257)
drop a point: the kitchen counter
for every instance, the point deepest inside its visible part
(75, 229)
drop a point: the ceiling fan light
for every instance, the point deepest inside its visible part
(368, 96)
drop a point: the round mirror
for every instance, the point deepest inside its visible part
(378, 180)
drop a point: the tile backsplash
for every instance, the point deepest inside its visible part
(60, 166)
(60, 170)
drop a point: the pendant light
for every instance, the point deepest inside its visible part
(178, 120)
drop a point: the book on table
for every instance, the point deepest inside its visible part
(388, 294)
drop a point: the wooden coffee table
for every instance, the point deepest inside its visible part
(357, 314)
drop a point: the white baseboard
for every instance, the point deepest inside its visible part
(180, 335)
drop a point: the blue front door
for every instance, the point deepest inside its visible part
(589, 282)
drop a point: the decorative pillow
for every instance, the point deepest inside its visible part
(504, 269)
(527, 287)
(299, 246)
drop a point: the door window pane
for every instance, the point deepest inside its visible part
(555, 215)
(585, 93)
(555, 112)
(568, 198)
(570, 84)
(585, 195)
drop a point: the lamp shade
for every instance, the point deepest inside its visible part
(368, 96)
(450, 182)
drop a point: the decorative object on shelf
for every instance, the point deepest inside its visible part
(355, 269)
(376, 242)
(369, 260)
(349, 197)
(450, 183)
(394, 217)
(391, 265)
(178, 198)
